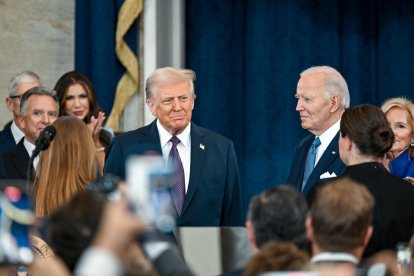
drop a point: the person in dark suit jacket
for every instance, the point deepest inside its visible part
(39, 108)
(365, 139)
(12, 132)
(212, 183)
(322, 95)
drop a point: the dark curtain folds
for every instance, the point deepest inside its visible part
(248, 54)
(95, 28)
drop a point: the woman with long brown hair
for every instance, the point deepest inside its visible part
(66, 166)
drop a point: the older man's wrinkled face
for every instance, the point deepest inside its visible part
(173, 106)
(13, 104)
(313, 107)
(41, 111)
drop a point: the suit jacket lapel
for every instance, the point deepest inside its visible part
(303, 151)
(20, 160)
(330, 154)
(198, 155)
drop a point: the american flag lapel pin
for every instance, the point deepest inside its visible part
(202, 146)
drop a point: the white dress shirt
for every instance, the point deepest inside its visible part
(184, 148)
(30, 148)
(326, 138)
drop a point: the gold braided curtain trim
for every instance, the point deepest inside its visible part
(129, 83)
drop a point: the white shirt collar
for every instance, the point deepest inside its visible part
(334, 257)
(329, 134)
(165, 136)
(30, 148)
(326, 138)
(17, 133)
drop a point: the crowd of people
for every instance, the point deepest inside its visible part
(346, 206)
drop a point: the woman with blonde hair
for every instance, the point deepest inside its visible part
(400, 115)
(66, 166)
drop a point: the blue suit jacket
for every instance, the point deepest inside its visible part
(329, 162)
(214, 195)
(6, 139)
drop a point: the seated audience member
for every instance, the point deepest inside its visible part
(77, 98)
(99, 237)
(12, 133)
(38, 109)
(65, 167)
(73, 227)
(400, 115)
(339, 226)
(277, 214)
(365, 139)
(277, 256)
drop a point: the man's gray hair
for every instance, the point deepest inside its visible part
(335, 83)
(23, 77)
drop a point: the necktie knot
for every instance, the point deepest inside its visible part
(316, 143)
(174, 140)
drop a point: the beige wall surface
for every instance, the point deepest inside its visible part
(37, 36)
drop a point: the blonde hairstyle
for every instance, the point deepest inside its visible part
(168, 76)
(405, 104)
(66, 166)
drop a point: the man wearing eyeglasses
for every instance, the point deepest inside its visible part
(12, 133)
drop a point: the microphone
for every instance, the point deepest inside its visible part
(43, 142)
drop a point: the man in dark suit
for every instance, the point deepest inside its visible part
(322, 95)
(12, 132)
(39, 108)
(207, 180)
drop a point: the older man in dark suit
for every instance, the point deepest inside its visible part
(39, 108)
(207, 189)
(322, 95)
(12, 132)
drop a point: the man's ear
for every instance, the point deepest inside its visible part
(250, 233)
(335, 103)
(367, 237)
(152, 107)
(20, 121)
(9, 104)
(309, 230)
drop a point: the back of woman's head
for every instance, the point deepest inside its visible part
(71, 78)
(367, 126)
(66, 166)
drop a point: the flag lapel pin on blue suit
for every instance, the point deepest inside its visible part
(202, 146)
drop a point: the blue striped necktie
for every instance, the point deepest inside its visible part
(310, 161)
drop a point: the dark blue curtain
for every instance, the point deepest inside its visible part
(95, 28)
(248, 54)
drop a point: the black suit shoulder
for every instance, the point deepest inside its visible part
(16, 161)
(6, 139)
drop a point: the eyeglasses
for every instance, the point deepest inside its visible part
(16, 97)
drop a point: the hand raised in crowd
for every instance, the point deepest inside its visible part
(95, 126)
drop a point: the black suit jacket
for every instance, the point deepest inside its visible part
(393, 218)
(6, 139)
(214, 195)
(329, 162)
(16, 161)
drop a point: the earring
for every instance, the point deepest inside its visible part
(412, 143)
